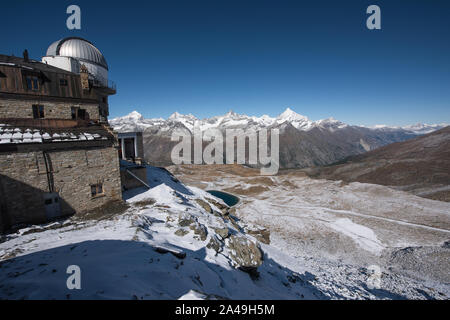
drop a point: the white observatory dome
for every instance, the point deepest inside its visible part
(70, 53)
(78, 48)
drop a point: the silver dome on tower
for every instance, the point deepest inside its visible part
(73, 52)
(77, 48)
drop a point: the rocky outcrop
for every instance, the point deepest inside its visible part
(181, 232)
(222, 207)
(185, 220)
(245, 254)
(215, 244)
(261, 234)
(222, 232)
(205, 205)
(199, 230)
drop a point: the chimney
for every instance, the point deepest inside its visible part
(84, 77)
(25, 56)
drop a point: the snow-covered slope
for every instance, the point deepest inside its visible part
(178, 242)
(172, 242)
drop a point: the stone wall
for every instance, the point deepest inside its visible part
(13, 108)
(129, 182)
(23, 182)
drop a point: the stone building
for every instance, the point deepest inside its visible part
(58, 155)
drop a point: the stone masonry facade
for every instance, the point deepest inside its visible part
(15, 108)
(24, 181)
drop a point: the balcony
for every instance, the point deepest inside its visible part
(106, 85)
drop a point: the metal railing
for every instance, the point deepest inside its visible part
(103, 83)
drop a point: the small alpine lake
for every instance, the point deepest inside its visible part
(229, 199)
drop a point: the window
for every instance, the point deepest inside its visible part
(96, 189)
(81, 114)
(38, 111)
(63, 82)
(78, 113)
(74, 112)
(104, 99)
(32, 83)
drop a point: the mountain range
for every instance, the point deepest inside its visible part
(303, 142)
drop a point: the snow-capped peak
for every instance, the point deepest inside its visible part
(298, 121)
(176, 116)
(331, 123)
(134, 121)
(291, 115)
(231, 113)
(418, 128)
(134, 115)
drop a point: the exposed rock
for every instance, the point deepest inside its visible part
(222, 232)
(245, 254)
(222, 207)
(262, 235)
(205, 205)
(233, 221)
(199, 230)
(215, 244)
(185, 220)
(216, 213)
(181, 232)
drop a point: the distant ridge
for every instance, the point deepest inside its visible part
(303, 142)
(420, 165)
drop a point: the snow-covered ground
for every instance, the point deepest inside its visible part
(334, 226)
(170, 244)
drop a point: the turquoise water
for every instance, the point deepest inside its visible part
(229, 199)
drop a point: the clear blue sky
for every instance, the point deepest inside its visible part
(258, 57)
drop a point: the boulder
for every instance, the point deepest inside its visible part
(245, 254)
(222, 232)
